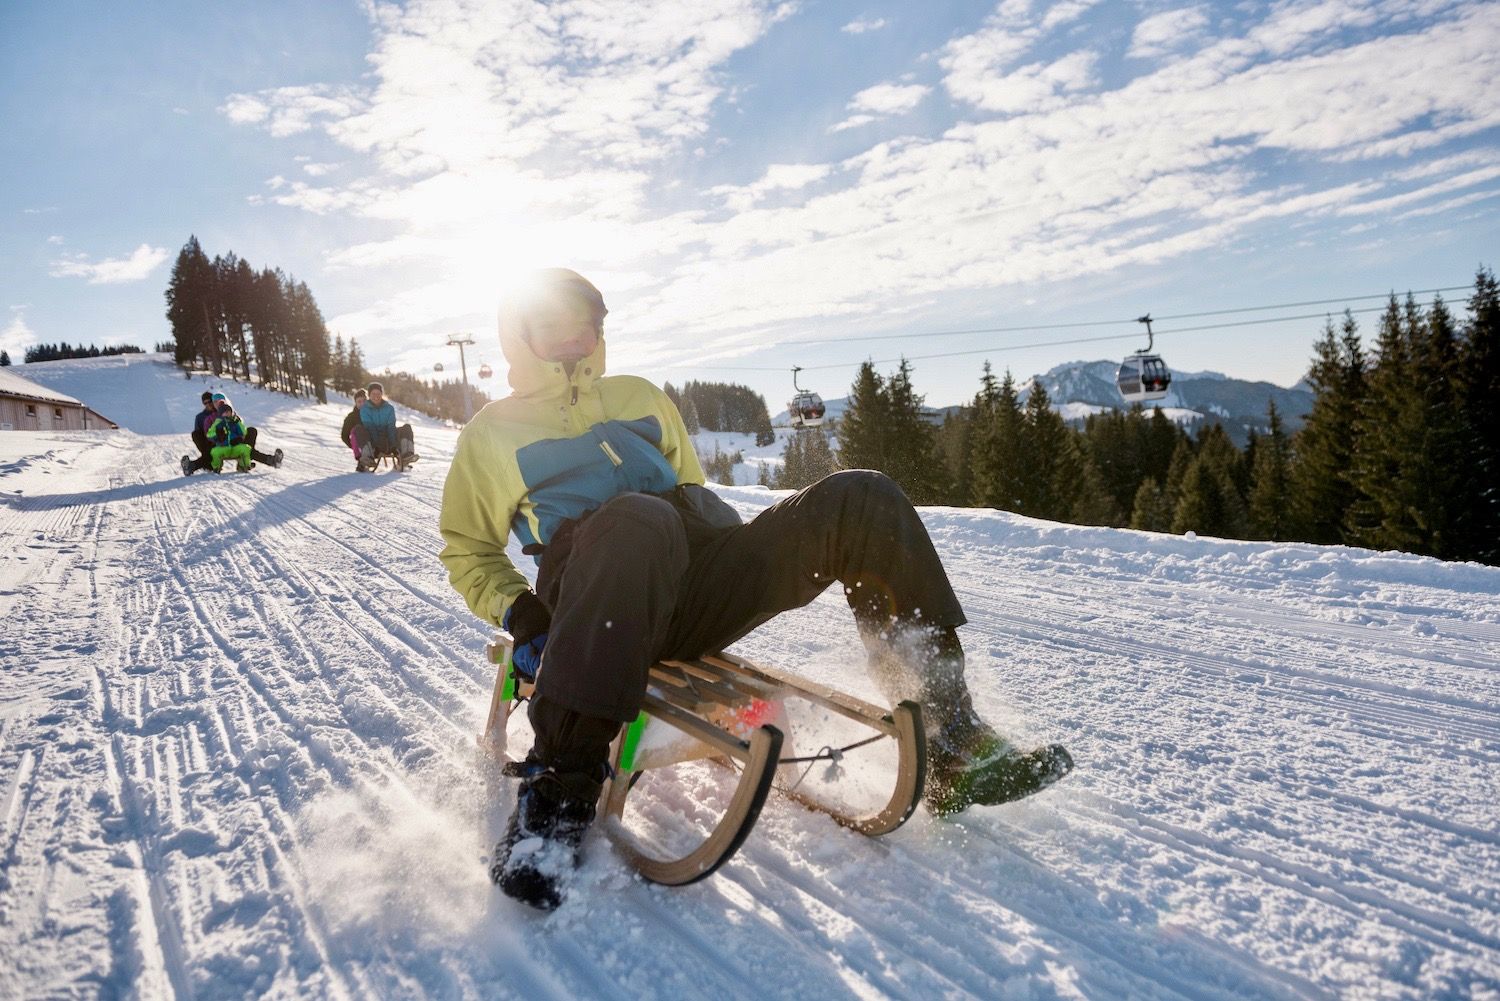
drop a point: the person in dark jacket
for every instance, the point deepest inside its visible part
(638, 560)
(351, 421)
(201, 420)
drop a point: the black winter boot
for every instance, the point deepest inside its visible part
(968, 763)
(544, 838)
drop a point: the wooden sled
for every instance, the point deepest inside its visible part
(725, 708)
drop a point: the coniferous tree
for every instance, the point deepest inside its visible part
(1048, 473)
(357, 374)
(1208, 499)
(863, 428)
(1386, 514)
(955, 446)
(911, 442)
(998, 451)
(312, 341)
(188, 292)
(1270, 486)
(1093, 502)
(1321, 484)
(1478, 390)
(806, 459)
(1182, 458)
(4, 359)
(1152, 510)
(961, 438)
(1210, 503)
(765, 434)
(690, 417)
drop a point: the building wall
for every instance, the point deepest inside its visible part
(18, 414)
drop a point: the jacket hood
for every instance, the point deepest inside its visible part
(532, 376)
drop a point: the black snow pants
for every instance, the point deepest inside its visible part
(627, 585)
(204, 446)
(385, 441)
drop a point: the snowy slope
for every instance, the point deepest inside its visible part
(237, 757)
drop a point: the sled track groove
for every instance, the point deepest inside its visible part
(272, 816)
(1162, 659)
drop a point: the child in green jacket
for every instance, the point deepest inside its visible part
(227, 433)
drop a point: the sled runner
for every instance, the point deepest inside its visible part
(727, 709)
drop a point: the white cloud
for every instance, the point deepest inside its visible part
(319, 169)
(1032, 88)
(287, 111)
(55, 240)
(778, 177)
(17, 336)
(508, 135)
(889, 99)
(1169, 31)
(882, 101)
(852, 122)
(860, 26)
(112, 271)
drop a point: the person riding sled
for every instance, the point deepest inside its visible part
(201, 437)
(378, 435)
(351, 421)
(201, 420)
(639, 561)
(227, 432)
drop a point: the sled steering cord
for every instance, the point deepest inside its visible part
(833, 754)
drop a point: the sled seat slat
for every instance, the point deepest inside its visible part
(840, 702)
(707, 690)
(720, 740)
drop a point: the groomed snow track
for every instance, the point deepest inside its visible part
(237, 758)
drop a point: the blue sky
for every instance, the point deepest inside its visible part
(739, 177)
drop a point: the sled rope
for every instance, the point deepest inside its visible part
(833, 754)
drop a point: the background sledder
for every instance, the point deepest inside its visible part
(638, 561)
(203, 437)
(376, 435)
(227, 433)
(346, 433)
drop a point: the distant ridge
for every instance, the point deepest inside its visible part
(1079, 388)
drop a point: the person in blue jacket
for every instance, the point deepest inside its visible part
(377, 433)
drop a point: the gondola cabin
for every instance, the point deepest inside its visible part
(438, 367)
(1143, 378)
(807, 410)
(485, 371)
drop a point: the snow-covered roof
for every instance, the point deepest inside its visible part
(14, 385)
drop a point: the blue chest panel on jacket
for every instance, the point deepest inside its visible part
(377, 417)
(229, 433)
(569, 477)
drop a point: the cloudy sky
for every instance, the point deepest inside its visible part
(756, 185)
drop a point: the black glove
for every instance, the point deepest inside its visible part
(527, 620)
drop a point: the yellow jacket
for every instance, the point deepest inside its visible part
(554, 449)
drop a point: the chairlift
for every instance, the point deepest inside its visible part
(485, 371)
(1143, 376)
(438, 367)
(806, 407)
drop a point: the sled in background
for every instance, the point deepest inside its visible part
(726, 709)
